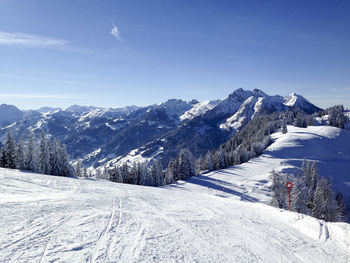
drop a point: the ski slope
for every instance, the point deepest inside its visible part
(215, 217)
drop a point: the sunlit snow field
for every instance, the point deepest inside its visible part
(220, 216)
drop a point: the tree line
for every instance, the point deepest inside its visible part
(248, 143)
(48, 157)
(311, 194)
(142, 173)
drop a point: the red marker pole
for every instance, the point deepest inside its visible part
(289, 186)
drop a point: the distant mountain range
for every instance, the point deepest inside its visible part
(109, 136)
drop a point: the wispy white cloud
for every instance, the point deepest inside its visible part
(27, 40)
(115, 32)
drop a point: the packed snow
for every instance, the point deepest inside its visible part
(220, 216)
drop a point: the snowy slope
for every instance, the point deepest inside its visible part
(199, 109)
(215, 217)
(328, 146)
(45, 219)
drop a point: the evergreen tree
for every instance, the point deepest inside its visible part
(314, 175)
(219, 160)
(125, 173)
(198, 164)
(170, 172)
(341, 206)
(44, 155)
(77, 170)
(85, 174)
(146, 177)
(324, 206)
(3, 162)
(20, 154)
(209, 162)
(310, 199)
(65, 168)
(10, 151)
(157, 173)
(284, 126)
(298, 199)
(185, 164)
(54, 155)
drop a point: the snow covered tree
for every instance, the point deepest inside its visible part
(324, 206)
(116, 175)
(20, 154)
(314, 175)
(209, 162)
(10, 151)
(85, 174)
(54, 155)
(279, 189)
(98, 173)
(2, 157)
(77, 170)
(310, 199)
(105, 173)
(307, 177)
(44, 155)
(284, 126)
(199, 164)
(64, 167)
(138, 173)
(146, 177)
(298, 198)
(170, 173)
(185, 164)
(157, 173)
(341, 206)
(219, 160)
(125, 174)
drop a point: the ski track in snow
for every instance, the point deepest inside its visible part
(219, 216)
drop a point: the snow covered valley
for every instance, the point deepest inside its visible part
(220, 216)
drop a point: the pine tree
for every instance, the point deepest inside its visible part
(105, 173)
(65, 168)
(20, 154)
(341, 206)
(219, 161)
(314, 175)
(138, 173)
(77, 170)
(199, 164)
(44, 155)
(324, 206)
(298, 199)
(146, 177)
(3, 158)
(307, 175)
(209, 162)
(85, 174)
(157, 173)
(185, 164)
(54, 155)
(170, 172)
(284, 126)
(310, 199)
(10, 151)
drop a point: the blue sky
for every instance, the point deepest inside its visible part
(117, 53)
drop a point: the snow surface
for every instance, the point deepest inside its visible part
(215, 217)
(199, 109)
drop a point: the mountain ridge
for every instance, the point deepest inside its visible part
(100, 135)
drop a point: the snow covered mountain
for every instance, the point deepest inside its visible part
(221, 216)
(101, 135)
(9, 114)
